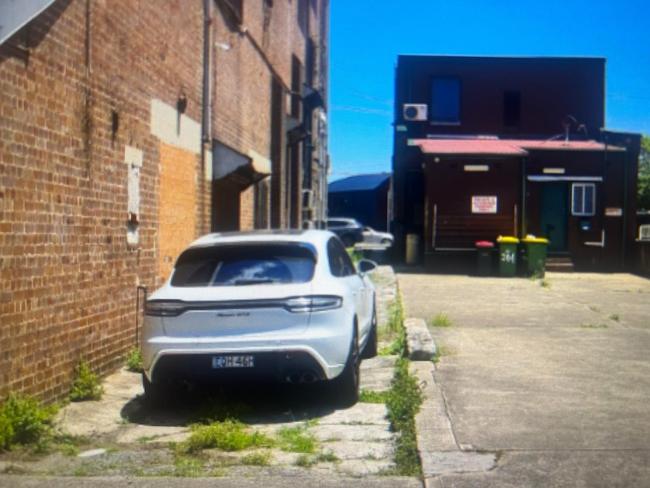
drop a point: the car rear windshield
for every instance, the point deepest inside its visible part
(245, 264)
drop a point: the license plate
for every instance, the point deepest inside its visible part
(221, 362)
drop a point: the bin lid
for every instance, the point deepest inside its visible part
(531, 239)
(507, 240)
(484, 244)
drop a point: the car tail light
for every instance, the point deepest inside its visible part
(314, 303)
(164, 308)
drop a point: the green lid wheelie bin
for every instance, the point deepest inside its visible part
(507, 255)
(535, 254)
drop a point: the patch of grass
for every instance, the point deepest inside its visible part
(309, 460)
(305, 461)
(257, 459)
(327, 457)
(68, 445)
(403, 403)
(396, 315)
(368, 396)
(615, 317)
(229, 435)
(441, 320)
(593, 326)
(134, 360)
(187, 467)
(86, 385)
(296, 439)
(25, 421)
(544, 283)
(397, 347)
(216, 410)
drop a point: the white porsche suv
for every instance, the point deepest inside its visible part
(288, 306)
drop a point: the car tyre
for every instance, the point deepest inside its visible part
(370, 350)
(155, 394)
(346, 385)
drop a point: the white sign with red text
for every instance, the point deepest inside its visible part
(484, 204)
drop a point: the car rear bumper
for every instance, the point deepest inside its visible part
(287, 366)
(172, 359)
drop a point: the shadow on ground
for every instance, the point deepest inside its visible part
(252, 403)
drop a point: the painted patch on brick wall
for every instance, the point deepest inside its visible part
(177, 205)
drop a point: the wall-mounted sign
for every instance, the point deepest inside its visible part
(484, 204)
(613, 212)
(474, 168)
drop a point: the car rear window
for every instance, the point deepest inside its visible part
(245, 264)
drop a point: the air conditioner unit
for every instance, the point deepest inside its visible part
(307, 198)
(415, 111)
(644, 232)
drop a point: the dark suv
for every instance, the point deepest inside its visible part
(349, 230)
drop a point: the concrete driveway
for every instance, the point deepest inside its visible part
(553, 376)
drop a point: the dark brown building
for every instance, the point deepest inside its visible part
(511, 146)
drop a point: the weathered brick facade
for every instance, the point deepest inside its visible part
(103, 174)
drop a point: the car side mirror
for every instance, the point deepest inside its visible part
(366, 266)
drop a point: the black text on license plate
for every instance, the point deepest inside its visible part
(220, 362)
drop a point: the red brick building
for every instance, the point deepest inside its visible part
(128, 129)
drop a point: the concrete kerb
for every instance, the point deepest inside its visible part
(419, 343)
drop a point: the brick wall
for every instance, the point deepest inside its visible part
(67, 276)
(82, 86)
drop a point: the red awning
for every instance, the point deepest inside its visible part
(492, 147)
(562, 145)
(504, 147)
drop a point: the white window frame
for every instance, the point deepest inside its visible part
(584, 186)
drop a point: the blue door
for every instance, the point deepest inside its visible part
(554, 215)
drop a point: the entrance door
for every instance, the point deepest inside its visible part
(554, 207)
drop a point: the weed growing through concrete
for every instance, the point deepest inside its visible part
(544, 283)
(441, 351)
(441, 320)
(309, 460)
(229, 435)
(296, 439)
(615, 317)
(593, 308)
(86, 385)
(257, 459)
(187, 467)
(403, 403)
(25, 422)
(593, 326)
(369, 396)
(394, 330)
(134, 360)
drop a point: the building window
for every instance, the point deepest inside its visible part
(583, 199)
(511, 108)
(445, 101)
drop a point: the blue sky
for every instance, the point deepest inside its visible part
(367, 36)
